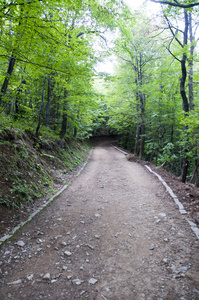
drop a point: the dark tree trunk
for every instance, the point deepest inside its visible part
(6, 80)
(18, 98)
(64, 116)
(183, 94)
(48, 102)
(136, 148)
(182, 84)
(41, 107)
(191, 99)
(142, 143)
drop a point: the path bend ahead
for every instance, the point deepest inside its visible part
(113, 234)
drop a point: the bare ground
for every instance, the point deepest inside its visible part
(113, 234)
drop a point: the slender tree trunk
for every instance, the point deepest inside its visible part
(64, 116)
(41, 107)
(136, 148)
(137, 137)
(183, 94)
(48, 102)
(4, 87)
(191, 99)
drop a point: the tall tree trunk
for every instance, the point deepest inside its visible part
(48, 102)
(136, 148)
(41, 107)
(4, 87)
(184, 95)
(64, 116)
(191, 99)
(137, 137)
(18, 98)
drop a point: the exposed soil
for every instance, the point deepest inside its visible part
(187, 193)
(114, 234)
(30, 175)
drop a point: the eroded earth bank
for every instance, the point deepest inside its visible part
(115, 233)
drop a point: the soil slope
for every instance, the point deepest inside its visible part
(113, 234)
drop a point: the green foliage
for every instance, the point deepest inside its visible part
(167, 155)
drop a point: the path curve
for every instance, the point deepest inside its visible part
(114, 234)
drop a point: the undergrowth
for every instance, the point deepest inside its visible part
(28, 165)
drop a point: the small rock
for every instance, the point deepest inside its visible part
(46, 276)
(30, 277)
(82, 292)
(97, 236)
(19, 281)
(20, 243)
(77, 281)
(90, 246)
(166, 240)
(163, 215)
(67, 253)
(152, 247)
(63, 243)
(39, 241)
(92, 281)
(40, 233)
(97, 215)
(58, 236)
(64, 268)
(165, 260)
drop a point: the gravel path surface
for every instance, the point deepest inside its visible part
(114, 234)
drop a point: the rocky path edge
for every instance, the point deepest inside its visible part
(38, 210)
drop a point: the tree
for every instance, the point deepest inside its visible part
(183, 61)
(52, 40)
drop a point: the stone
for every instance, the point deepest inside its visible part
(67, 253)
(30, 277)
(152, 247)
(165, 260)
(46, 276)
(39, 241)
(97, 215)
(20, 243)
(63, 243)
(58, 236)
(90, 246)
(19, 281)
(92, 281)
(77, 281)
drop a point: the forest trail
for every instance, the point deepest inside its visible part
(114, 234)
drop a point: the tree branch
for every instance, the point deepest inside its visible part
(177, 4)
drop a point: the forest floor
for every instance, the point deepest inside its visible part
(114, 233)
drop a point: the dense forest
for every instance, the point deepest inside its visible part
(50, 84)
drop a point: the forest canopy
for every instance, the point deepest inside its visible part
(49, 53)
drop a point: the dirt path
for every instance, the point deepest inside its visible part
(113, 234)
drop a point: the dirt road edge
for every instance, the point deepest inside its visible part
(18, 227)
